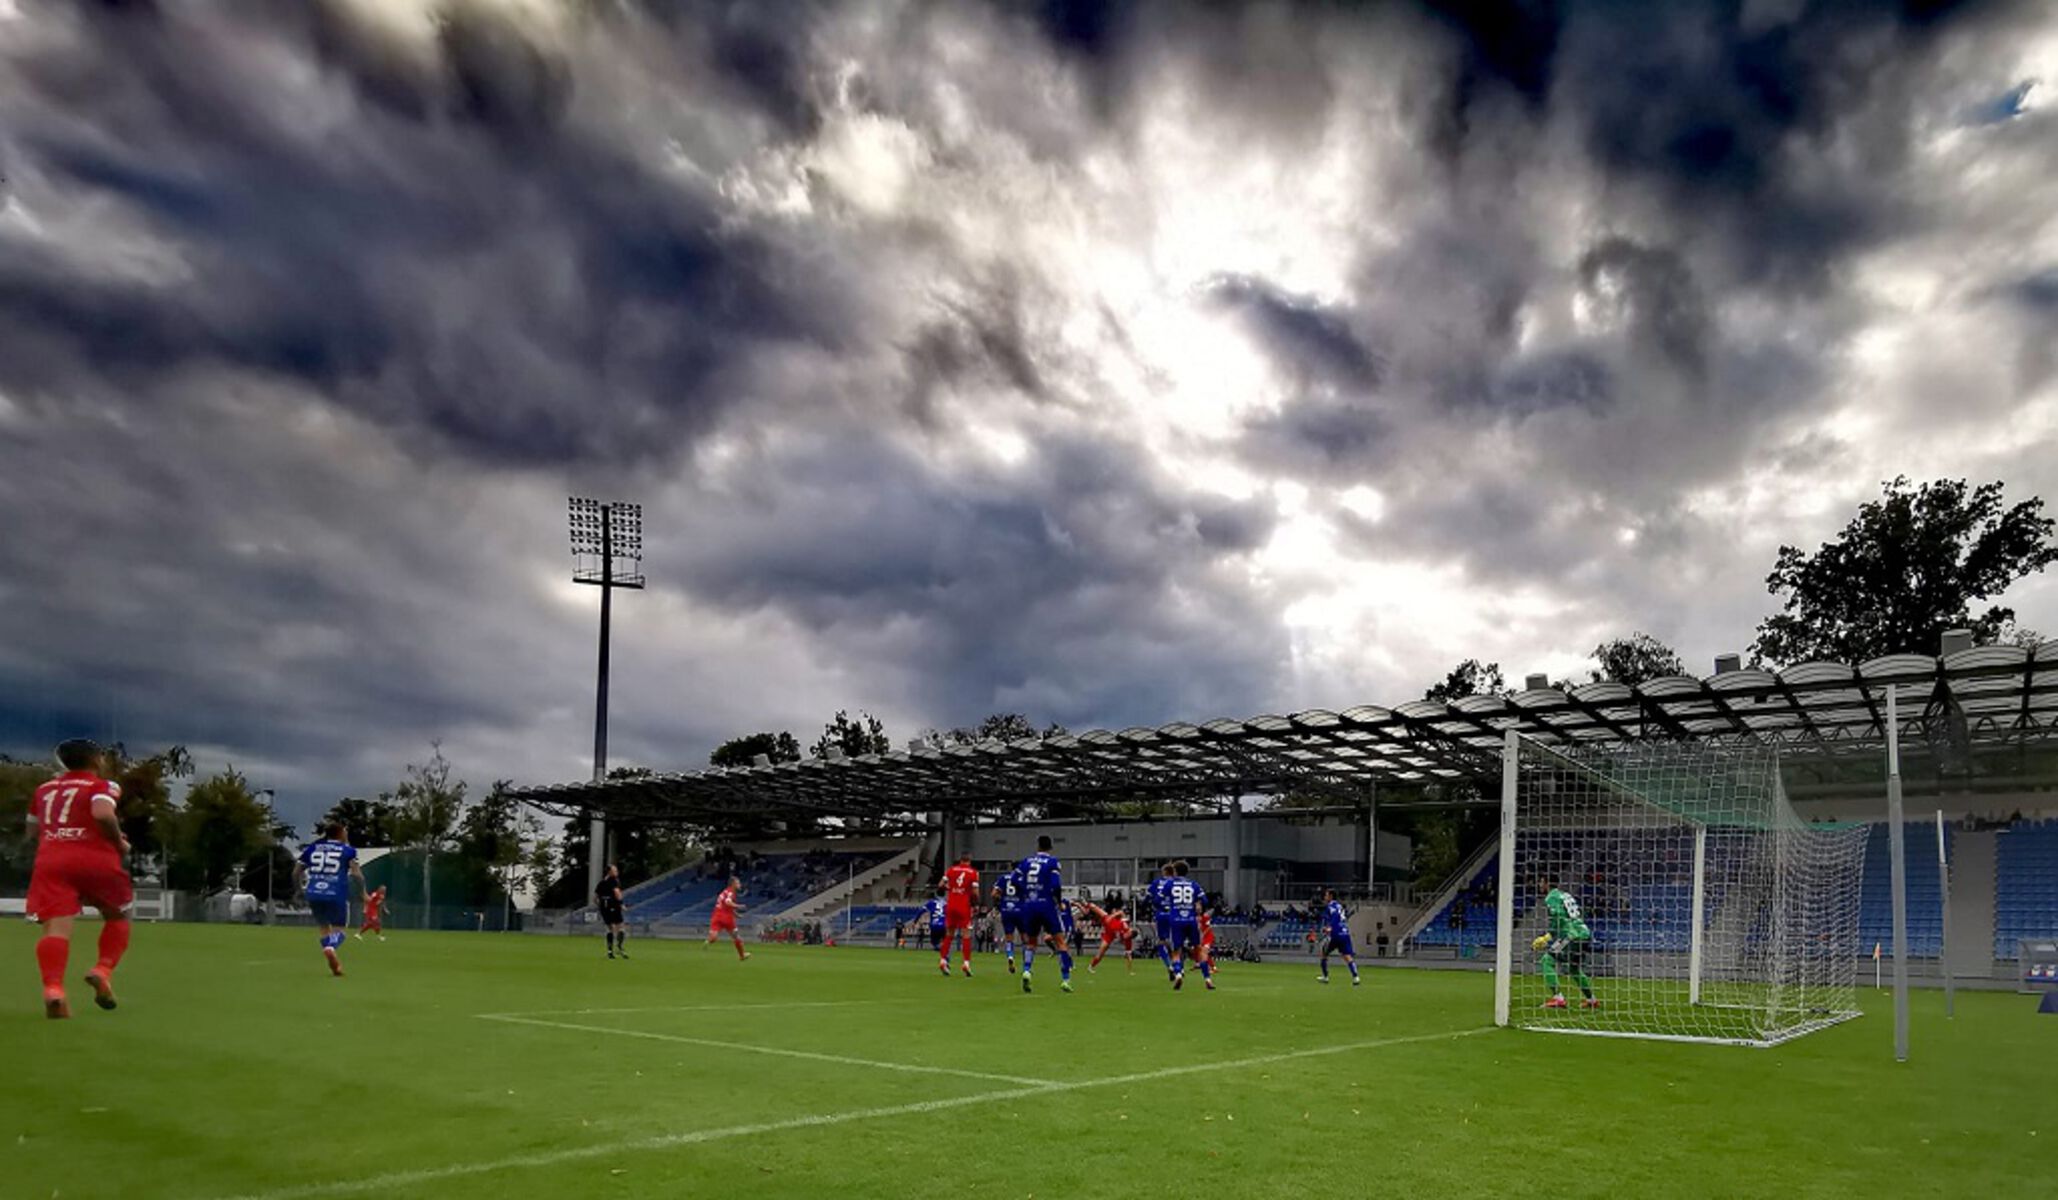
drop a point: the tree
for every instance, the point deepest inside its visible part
(541, 863)
(146, 804)
(219, 830)
(1469, 678)
(493, 839)
(1437, 846)
(367, 822)
(1908, 567)
(865, 735)
(430, 803)
(743, 751)
(18, 784)
(1634, 659)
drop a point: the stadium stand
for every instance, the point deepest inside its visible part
(1925, 896)
(771, 883)
(2025, 885)
(876, 920)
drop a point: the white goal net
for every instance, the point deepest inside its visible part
(1668, 890)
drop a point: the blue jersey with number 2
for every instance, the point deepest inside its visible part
(328, 869)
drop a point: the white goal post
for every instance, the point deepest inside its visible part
(1688, 901)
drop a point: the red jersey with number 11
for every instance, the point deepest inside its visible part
(63, 809)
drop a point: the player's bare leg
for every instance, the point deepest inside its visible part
(53, 952)
(965, 950)
(332, 938)
(114, 942)
(741, 953)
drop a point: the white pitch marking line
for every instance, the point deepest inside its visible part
(781, 1051)
(588, 1012)
(667, 1141)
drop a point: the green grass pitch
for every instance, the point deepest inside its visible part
(237, 1068)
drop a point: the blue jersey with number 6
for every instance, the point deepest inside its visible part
(328, 869)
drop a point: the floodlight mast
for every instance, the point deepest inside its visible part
(604, 532)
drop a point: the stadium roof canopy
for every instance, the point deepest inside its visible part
(1970, 720)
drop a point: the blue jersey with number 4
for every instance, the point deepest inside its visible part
(328, 869)
(1339, 924)
(933, 909)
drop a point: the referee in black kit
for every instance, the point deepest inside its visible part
(607, 897)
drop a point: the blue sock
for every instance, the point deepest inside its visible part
(331, 940)
(1011, 951)
(1354, 969)
(1325, 968)
(1064, 964)
(1207, 969)
(1164, 956)
(1028, 958)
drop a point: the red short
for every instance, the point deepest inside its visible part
(63, 884)
(957, 914)
(1117, 933)
(722, 923)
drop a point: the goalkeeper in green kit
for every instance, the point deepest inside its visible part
(1564, 946)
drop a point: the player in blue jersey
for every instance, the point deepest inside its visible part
(932, 911)
(1184, 901)
(1043, 902)
(324, 871)
(1161, 916)
(1339, 938)
(1007, 892)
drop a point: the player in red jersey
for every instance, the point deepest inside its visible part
(960, 885)
(79, 849)
(374, 913)
(1207, 946)
(724, 920)
(1114, 927)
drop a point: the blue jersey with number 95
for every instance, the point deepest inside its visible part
(328, 869)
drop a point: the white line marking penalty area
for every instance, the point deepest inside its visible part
(550, 1158)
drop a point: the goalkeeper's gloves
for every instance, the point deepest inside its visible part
(1542, 940)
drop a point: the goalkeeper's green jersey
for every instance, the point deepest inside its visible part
(1565, 919)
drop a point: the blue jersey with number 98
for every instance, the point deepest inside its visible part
(328, 869)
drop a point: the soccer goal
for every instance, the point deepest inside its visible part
(1671, 892)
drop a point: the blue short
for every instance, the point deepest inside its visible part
(1010, 923)
(329, 912)
(1340, 943)
(1184, 934)
(1164, 925)
(935, 936)
(1040, 917)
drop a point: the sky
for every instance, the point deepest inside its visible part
(1108, 364)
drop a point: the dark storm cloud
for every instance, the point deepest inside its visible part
(313, 313)
(1300, 333)
(1017, 585)
(1650, 292)
(621, 310)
